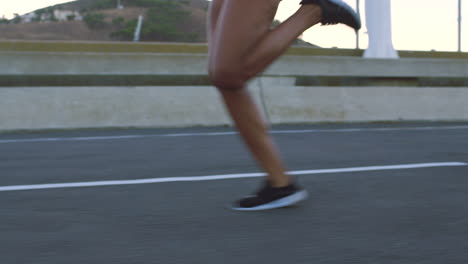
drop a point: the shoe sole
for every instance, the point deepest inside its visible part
(349, 10)
(283, 202)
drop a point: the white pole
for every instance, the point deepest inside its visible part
(379, 27)
(357, 31)
(136, 38)
(459, 26)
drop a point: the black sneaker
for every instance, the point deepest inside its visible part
(335, 12)
(270, 198)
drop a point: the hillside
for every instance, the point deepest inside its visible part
(101, 20)
(114, 20)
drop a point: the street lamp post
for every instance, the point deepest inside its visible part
(357, 31)
(459, 25)
(379, 27)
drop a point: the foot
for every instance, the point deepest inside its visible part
(335, 12)
(269, 197)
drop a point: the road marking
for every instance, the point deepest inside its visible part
(223, 176)
(304, 131)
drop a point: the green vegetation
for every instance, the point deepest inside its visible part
(118, 21)
(17, 19)
(94, 20)
(153, 3)
(162, 22)
(127, 32)
(38, 13)
(103, 4)
(106, 4)
(275, 23)
(48, 12)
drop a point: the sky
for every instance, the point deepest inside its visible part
(417, 24)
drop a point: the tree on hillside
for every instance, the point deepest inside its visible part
(94, 20)
(162, 22)
(107, 4)
(103, 4)
(17, 19)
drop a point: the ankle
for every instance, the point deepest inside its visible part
(279, 183)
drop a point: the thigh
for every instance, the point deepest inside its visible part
(239, 26)
(212, 21)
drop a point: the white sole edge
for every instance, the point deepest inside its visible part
(283, 202)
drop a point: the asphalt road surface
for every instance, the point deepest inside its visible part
(379, 193)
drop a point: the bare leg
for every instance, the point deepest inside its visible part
(242, 45)
(212, 21)
(262, 45)
(278, 40)
(254, 132)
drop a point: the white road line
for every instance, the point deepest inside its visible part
(5, 141)
(223, 176)
(305, 131)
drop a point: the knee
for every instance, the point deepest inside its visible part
(226, 78)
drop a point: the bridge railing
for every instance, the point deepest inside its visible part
(46, 85)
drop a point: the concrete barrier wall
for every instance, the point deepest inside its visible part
(43, 103)
(182, 106)
(81, 107)
(300, 104)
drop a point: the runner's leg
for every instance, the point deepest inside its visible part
(241, 46)
(244, 57)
